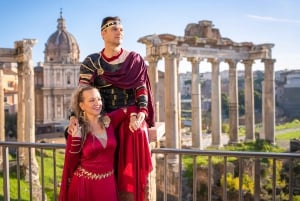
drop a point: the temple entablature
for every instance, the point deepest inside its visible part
(8, 55)
(203, 40)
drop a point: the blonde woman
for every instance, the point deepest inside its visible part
(88, 172)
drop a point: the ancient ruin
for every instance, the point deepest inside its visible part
(204, 42)
(21, 54)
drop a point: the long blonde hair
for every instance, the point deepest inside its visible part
(76, 99)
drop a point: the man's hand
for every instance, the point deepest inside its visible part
(136, 121)
(140, 118)
(73, 125)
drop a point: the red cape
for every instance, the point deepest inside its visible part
(133, 73)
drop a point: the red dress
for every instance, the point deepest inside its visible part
(88, 173)
(115, 81)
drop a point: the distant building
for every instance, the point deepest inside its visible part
(10, 87)
(288, 93)
(56, 79)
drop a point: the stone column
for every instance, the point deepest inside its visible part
(262, 130)
(24, 59)
(269, 100)
(171, 101)
(196, 104)
(249, 101)
(171, 115)
(2, 116)
(21, 100)
(216, 119)
(153, 76)
(233, 103)
(179, 104)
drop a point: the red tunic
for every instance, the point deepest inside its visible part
(88, 172)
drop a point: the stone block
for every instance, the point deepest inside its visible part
(156, 132)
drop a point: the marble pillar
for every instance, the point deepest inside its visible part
(269, 100)
(216, 114)
(249, 102)
(233, 103)
(26, 118)
(196, 104)
(21, 103)
(153, 76)
(262, 134)
(171, 101)
(179, 104)
(2, 116)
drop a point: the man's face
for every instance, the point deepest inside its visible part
(113, 34)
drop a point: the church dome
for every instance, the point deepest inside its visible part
(61, 46)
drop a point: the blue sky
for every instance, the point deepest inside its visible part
(257, 21)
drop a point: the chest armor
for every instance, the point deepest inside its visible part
(113, 97)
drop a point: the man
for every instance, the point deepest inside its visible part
(121, 77)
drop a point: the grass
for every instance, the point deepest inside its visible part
(48, 177)
(49, 170)
(292, 130)
(293, 124)
(14, 188)
(289, 135)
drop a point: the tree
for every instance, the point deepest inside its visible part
(225, 105)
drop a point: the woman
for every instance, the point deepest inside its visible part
(88, 172)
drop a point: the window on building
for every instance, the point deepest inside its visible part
(58, 77)
(68, 79)
(10, 84)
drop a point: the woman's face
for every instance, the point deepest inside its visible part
(92, 103)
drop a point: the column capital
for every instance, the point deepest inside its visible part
(195, 60)
(169, 48)
(269, 61)
(153, 58)
(248, 62)
(214, 60)
(171, 56)
(232, 62)
(24, 49)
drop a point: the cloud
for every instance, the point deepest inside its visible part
(273, 19)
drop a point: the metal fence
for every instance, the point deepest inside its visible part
(165, 155)
(14, 148)
(178, 155)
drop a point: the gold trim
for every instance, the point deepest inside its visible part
(106, 121)
(110, 24)
(81, 172)
(100, 71)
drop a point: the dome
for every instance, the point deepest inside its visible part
(61, 46)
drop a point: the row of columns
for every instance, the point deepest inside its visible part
(172, 100)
